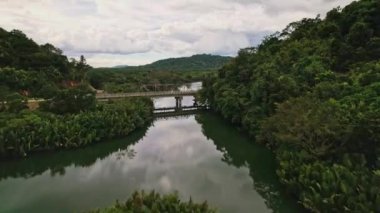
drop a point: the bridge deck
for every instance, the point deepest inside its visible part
(182, 108)
(146, 94)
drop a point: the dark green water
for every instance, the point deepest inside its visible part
(200, 156)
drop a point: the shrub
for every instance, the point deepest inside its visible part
(141, 202)
(15, 103)
(70, 101)
(27, 132)
(348, 186)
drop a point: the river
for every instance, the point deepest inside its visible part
(200, 156)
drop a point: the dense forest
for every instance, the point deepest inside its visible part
(69, 116)
(33, 70)
(311, 93)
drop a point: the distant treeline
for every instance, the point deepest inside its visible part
(201, 62)
(167, 71)
(130, 81)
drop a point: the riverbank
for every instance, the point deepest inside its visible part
(26, 132)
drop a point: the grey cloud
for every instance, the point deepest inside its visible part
(149, 29)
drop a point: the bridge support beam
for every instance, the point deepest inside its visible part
(178, 103)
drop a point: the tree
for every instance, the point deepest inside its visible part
(360, 34)
(71, 101)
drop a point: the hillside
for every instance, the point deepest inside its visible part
(192, 63)
(35, 70)
(20, 52)
(312, 94)
(202, 62)
(167, 71)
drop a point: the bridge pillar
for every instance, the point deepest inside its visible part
(178, 102)
(195, 102)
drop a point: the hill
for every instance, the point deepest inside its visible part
(35, 70)
(201, 62)
(20, 52)
(312, 94)
(167, 71)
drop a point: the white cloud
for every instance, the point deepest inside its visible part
(137, 32)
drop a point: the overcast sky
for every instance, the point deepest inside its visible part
(133, 32)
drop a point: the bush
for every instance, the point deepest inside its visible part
(320, 128)
(348, 186)
(141, 202)
(27, 132)
(70, 101)
(15, 103)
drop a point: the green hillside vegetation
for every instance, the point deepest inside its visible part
(201, 62)
(34, 70)
(70, 117)
(312, 94)
(167, 71)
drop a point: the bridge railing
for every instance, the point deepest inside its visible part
(145, 94)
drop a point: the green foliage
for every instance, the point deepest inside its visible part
(168, 71)
(153, 202)
(32, 83)
(314, 91)
(345, 187)
(367, 74)
(201, 62)
(20, 52)
(36, 70)
(320, 128)
(70, 101)
(14, 103)
(27, 132)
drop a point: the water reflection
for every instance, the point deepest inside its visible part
(240, 152)
(56, 162)
(201, 157)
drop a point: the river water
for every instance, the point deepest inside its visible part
(200, 156)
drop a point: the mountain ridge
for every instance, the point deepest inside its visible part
(197, 62)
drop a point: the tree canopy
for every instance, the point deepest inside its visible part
(35, 70)
(311, 92)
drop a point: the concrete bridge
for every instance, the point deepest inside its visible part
(177, 94)
(159, 90)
